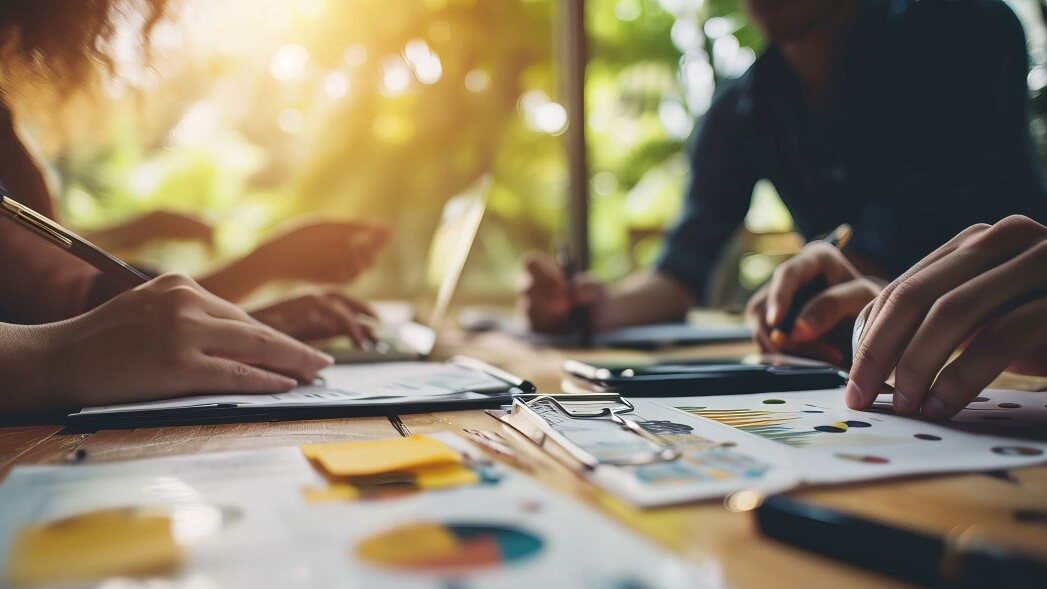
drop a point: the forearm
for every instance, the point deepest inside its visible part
(648, 297)
(24, 353)
(237, 279)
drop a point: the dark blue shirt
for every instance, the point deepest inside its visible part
(925, 131)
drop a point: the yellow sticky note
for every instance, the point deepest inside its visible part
(443, 476)
(91, 546)
(357, 459)
(335, 492)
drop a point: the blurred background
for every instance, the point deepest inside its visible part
(256, 112)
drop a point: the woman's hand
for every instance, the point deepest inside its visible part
(319, 314)
(986, 287)
(167, 338)
(330, 252)
(823, 327)
(161, 225)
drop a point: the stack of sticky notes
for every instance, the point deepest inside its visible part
(92, 546)
(356, 469)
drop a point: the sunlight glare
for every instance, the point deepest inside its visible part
(477, 81)
(288, 63)
(290, 121)
(336, 85)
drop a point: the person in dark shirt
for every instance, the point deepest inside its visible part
(906, 119)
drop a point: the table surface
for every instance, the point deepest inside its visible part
(723, 543)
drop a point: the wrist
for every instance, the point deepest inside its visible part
(27, 362)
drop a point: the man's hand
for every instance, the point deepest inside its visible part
(986, 287)
(545, 296)
(822, 328)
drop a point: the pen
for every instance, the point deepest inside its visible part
(71, 242)
(580, 320)
(495, 444)
(954, 560)
(838, 239)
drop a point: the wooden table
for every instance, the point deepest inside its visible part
(725, 545)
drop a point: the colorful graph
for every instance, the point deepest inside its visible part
(793, 428)
(441, 549)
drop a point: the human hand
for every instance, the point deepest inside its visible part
(152, 226)
(167, 338)
(987, 287)
(545, 296)
(327, 252)
(822, 328)
(321, 313)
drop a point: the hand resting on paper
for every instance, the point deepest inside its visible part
(166, 338)
(985, 291)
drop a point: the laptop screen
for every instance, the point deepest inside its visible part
(449, 250)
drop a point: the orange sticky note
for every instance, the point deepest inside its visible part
(359, 459)
(92, 546)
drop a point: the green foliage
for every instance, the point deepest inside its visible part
(247, 134)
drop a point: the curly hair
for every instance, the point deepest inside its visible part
(61, 46)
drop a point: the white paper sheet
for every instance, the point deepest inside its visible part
(817, 437)
(345, 384)
(245, 523)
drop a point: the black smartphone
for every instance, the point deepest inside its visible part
(755, 373)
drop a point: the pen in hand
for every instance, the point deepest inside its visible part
(71, 242)
(580, 319)
(838, 239)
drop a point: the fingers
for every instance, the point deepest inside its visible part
(544, 294)
(544, 274)
(946, 249)
(901, 308)
(924, 296)
(263, 347)
(816, 260)
(221, 375)
(342, 315)
(1011, 336)
(356, 305)
(756, 311)
(958, 314)
(832, 306)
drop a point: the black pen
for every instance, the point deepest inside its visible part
(939, 561)
(838, 239)
(71, 242)
(581, 324)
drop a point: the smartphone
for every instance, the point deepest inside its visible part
(755, 373)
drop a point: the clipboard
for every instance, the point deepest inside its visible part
(499, 389)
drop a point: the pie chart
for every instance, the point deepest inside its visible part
(448, 548)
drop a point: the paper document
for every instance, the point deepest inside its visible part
(345, 384)
(241, 519)
(815, 435)
(775, 441)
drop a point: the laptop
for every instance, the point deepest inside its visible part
(448, 252)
